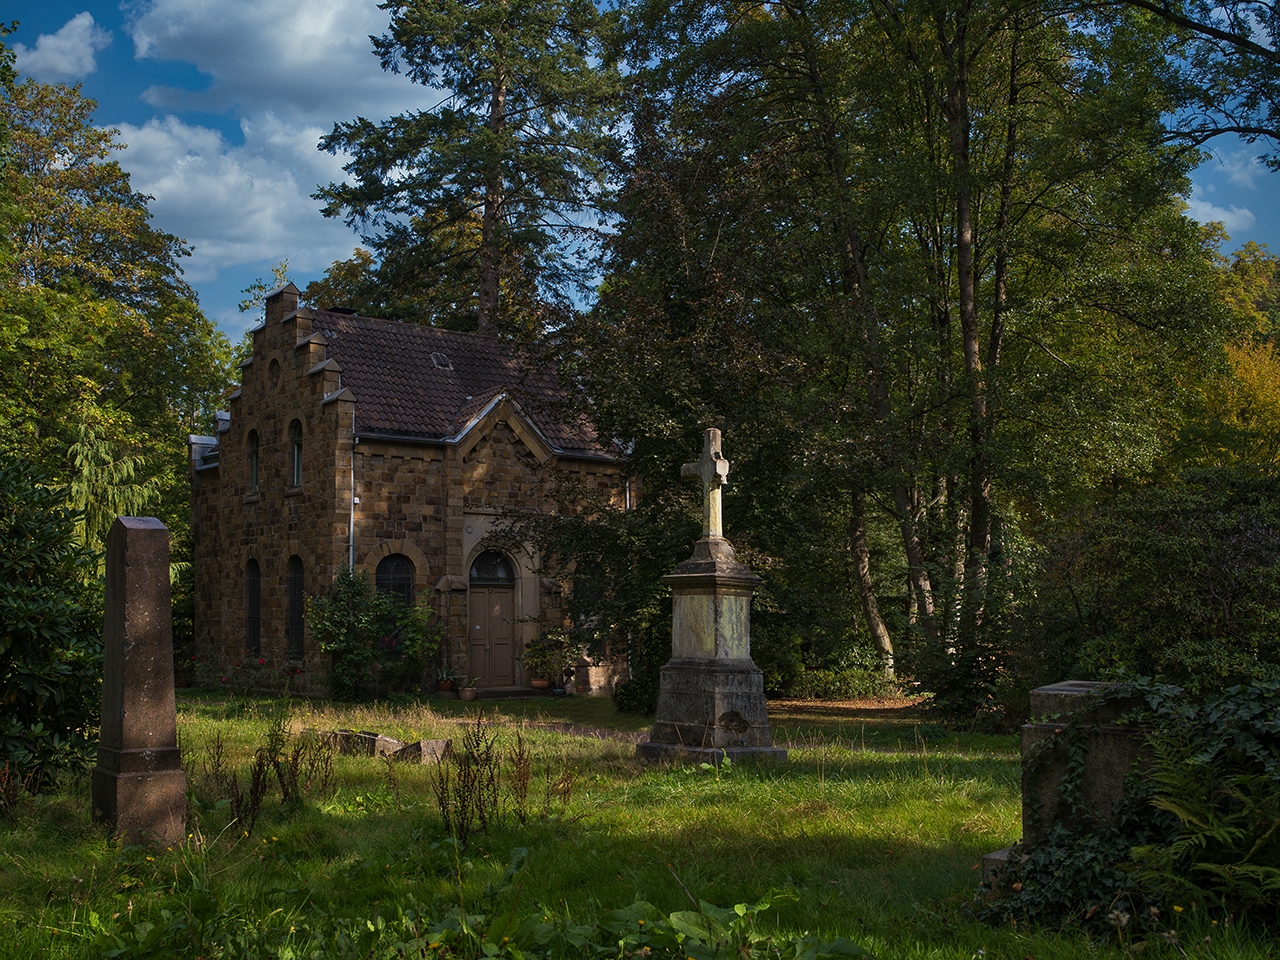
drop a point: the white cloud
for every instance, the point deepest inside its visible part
(288, 69)
(238, 204)
(1233, 218)
(66, 55)
(307, 61)
(1242, 168)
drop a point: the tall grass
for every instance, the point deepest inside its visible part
(880, 847)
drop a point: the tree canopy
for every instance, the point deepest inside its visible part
(928, 268)
(492, 190)
(106, 361)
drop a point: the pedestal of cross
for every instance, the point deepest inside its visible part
(711, 695)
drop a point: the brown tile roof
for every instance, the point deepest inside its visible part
(413, 381)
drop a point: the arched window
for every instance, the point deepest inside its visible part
(253, 608)
(395, 576)
(253, 461)
(491, 567)
(297, 608)
(295, 442)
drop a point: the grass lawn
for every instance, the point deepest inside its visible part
(877, 845)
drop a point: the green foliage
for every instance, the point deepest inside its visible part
(640, 928)
(1187, 578)
(106, 361)
(51, 644)
(649, 649)
(547, 654)
(353, 623)
(848, 684)
(483, 192)
(1200, 825)
(1217, 769)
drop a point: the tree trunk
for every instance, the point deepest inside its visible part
(866, 591)
(490, 255)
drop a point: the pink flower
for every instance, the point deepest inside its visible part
(224, 679)
(260, 660)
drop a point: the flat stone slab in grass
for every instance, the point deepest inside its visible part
(424, 751)
(368, 743)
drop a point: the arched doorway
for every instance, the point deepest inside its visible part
(491, 649)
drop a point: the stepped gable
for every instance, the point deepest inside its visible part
(416, 381)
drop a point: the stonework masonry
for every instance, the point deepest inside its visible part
(328, 453)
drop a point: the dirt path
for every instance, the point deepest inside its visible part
(886, 710)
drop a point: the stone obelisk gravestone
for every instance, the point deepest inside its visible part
(711, 694)
(138, 784)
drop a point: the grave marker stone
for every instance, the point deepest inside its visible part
(138, 785)
(711, 694)
(1111, 750)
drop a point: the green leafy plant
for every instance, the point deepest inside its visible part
(545, 655)
(1199, 820)
(50, 643)
(349, 621)
(1217, 769)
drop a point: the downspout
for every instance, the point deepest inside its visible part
(351, 523)
(444, 562)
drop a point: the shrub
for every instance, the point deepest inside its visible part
(350, 621)
(50, 629)
(1189, 578)
(849, 684)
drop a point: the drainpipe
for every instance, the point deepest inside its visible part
(351, 523)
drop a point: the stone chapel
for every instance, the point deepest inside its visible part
(393, 448)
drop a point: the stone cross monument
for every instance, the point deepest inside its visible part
(711, 695)
(138, 784)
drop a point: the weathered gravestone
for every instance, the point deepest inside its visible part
(138, 784)
(1109, 747)
(711, 695)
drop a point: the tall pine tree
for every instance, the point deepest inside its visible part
(496, 183)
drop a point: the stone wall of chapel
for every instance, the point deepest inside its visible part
(414, 499)
(234, 523)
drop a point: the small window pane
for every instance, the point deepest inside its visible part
(395, 576)
(253, 461)
(295, 436)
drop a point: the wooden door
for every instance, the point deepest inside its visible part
(491, 635)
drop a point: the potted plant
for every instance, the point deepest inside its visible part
(446, 676)
(469, 691)
(544, 658)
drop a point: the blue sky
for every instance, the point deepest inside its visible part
(222, 102)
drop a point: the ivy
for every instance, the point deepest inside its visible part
(1199, 821)
(353, 623)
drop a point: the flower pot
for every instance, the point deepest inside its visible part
(583, 689)
(444, 684)
(540, 684)
(467, 693)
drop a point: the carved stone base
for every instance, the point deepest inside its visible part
(144, 808)
(712, 704)
(651, 752)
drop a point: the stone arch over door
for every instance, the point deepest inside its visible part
(492, 605)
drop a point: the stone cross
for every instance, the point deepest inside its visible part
(713, 470)
(138, 785)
